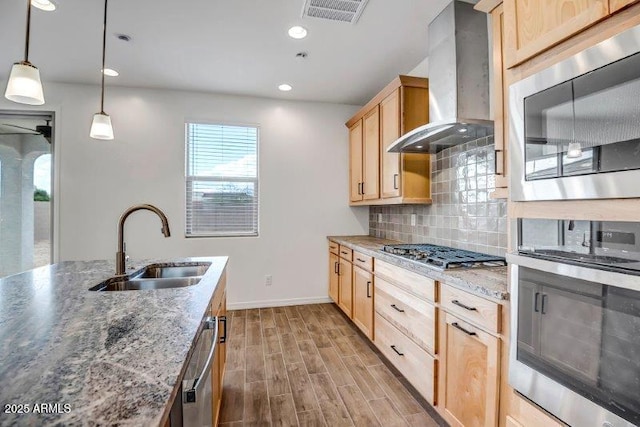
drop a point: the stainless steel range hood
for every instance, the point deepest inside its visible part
(458, 83)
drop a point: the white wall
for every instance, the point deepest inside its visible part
(303, 184)
(420, 70)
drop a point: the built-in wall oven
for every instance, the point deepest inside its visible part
(575, 301)
(575, 127)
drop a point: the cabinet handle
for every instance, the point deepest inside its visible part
(455, 325)
(395, 181)
(363, 188)
(360, 259)
(335, 267)
(544, 298)
(223, 338)
(368, 289)
(535, 302)
(393, 347)
(466, 307)
(396, 308)
(499, 163)
(359, 191)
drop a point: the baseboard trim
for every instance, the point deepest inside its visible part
(277, 303)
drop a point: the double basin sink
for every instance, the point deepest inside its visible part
(157, 276)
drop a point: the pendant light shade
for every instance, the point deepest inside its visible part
(24, 85)
(574, 151)
(101, 127)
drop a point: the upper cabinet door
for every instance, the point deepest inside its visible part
(371, 155)
(533, 26)
(616, 5)
(389, 132)
(355, 161)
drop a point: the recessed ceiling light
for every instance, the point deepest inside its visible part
(419, 146)
(285, 87)
(297, 32)
(43, 5)
(110, 72)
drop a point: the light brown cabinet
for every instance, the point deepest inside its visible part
(364, 157)
(533, 26)
(334, 278)
(341, 277)
(389, 178)
(389, 132)
(523, 413)
(363, 300)
(219, 311)
(512, 423)
(500, 103)
(355, 161)
(371, 155)
(417, 366)
(616, 5)
(405, 324)
(345, 287)
(469, 374)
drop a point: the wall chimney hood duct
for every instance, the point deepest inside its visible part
(458, 83)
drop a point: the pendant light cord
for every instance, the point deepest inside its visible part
(104, 54)
(26, 47)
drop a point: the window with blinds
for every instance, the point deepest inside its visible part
(222, 180)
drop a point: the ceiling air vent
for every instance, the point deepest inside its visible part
(335, 10)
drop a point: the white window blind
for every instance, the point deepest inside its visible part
(221, 180)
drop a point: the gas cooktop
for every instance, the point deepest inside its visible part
(444, 257)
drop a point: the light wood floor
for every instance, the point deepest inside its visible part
(309, 366)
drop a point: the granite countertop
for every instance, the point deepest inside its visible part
(488, 282)
(106, 358)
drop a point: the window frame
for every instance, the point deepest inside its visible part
(190, 178)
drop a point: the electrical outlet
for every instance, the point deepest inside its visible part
(413, 219)
(268, 280)
(379, 217)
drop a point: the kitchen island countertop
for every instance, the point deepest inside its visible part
(488, 282)
(95, 358)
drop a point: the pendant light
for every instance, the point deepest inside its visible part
(574, 151)
(101, 126)
(24, 86)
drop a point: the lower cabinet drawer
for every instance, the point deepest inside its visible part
(474, 308)
(421, 286)
(417, 366)
(414, 317)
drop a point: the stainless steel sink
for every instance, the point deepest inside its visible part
(145, 284)
(157, 276)
(165, 271)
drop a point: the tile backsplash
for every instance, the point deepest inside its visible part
(461, 215)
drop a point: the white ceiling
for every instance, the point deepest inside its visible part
(225, 46)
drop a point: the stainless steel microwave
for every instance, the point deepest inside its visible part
(574, 128)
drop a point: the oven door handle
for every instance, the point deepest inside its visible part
(582, 272)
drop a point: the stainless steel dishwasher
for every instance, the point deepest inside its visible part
(193, 406)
